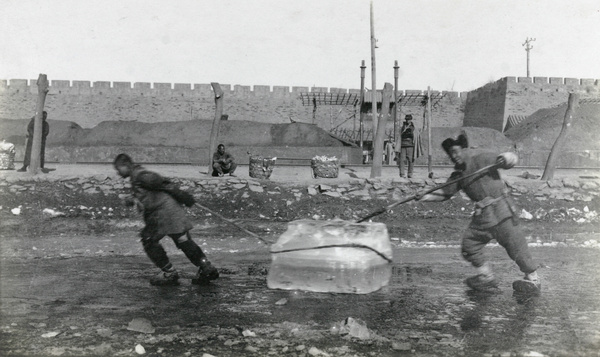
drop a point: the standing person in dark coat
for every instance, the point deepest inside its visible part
(406, 146)
(494, 216)
(45, 131)
(223, 162)
(161, 203)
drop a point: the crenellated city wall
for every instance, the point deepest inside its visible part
(89, 103)
(491, 105)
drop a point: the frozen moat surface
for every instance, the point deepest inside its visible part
(57, 300)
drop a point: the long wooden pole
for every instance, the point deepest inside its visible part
(373, 76)
(429, 151)
(395, 99)
(214, 133)
(562, 137)
(362, 101)
(380, 134)
(36, 145)
(421, 194)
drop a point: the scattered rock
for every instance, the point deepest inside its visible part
(324, 188)
(313, 351)
(256, 188)
(248, 333)
(401, 346)
(141, 325)
(281, 302)
(139, 349)
(525, 215)
(50, 213)
(355, 328)
(554, 183)
(51, 334)
(526, 175)
(571, 183)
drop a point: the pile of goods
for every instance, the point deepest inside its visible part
(260, 167)
(7, 156)
(323, 166)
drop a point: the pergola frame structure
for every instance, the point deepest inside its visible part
(316, 99)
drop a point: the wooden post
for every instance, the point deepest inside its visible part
(373, 74)
(380, 133)
(429, 151)
(562, 137)
(36, 146)
(214, 133)
(362, 101)
(395, 99)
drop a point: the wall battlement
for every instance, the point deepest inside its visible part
(108, 88)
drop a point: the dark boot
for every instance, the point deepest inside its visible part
(166, 278)
(206, 273)
(530, 284)
(22, 169)
(482, 282)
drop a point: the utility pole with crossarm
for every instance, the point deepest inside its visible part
(528, 48)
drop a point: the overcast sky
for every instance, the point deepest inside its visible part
(455, 45)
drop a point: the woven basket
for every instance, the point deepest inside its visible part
(7, 156)
(7, 160)
(325, 168)
(260, 167)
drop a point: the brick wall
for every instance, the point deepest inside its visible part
(88, 104)
(490, 105)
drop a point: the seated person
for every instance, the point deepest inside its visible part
(223, 162)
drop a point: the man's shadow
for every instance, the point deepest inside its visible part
(495, 321)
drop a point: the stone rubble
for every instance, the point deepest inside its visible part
(567, 189)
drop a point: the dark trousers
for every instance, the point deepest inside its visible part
(183, 241)
(508, 235)
(223, 169)
(406, 153)
(27, 157)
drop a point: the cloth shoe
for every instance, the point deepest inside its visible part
(206, 273)
(481, 282)
(527, 286)
(165, 278)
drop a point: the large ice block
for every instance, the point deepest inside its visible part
(331, 256)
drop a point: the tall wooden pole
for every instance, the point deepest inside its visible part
(36, 145)
(528, 48)
(373, 76)
(214, 133)
(429, 151)
(380, 134)
(562, 137)
(362, 101)
(395, 99)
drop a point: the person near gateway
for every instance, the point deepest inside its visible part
(160, 201)
(28, 146)
(495, 216)
(223, 162)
